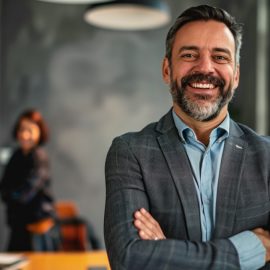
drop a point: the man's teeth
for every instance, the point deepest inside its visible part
(203, 85)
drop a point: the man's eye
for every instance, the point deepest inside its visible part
(188, 56)
(221, 59)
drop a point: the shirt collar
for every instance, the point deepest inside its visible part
(220, 132)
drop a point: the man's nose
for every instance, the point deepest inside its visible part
(204, 65)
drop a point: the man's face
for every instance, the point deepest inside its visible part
(202, 72)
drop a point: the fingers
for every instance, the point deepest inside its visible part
(264, 236)
(144, 232)
(148, 227)
(258, 231)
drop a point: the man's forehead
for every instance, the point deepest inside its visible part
(205, 33)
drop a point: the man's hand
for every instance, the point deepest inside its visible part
(264, 236)
(148, 228)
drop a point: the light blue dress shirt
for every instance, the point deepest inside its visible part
(205, 164)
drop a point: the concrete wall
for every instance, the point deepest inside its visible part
(91, 85)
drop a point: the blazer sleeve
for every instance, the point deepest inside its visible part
(125, 193)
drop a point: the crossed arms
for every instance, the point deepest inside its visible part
(130, 235)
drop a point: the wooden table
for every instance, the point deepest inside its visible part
(67, 261)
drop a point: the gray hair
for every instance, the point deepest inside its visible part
(205, 12)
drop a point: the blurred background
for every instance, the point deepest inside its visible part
(93, 83)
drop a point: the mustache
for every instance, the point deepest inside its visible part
(199, 77)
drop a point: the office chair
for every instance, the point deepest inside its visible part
(72, 228)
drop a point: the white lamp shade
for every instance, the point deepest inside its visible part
(73, 1)
(127, 16)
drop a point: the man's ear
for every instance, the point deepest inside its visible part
(166, 71)
(236, 76)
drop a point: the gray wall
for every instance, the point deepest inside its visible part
(92, 85)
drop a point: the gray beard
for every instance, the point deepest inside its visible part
(196, 111)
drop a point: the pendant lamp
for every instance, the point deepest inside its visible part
(73, 1)
(128, 14)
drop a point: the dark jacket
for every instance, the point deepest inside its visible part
(25, 187)
(150, 169)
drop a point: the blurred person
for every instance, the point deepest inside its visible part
(25, 186)
(191, 191)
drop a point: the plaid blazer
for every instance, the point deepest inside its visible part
(150, 169)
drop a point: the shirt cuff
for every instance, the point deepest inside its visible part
(250, 250)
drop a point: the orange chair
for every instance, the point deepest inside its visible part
(44, 235)
(66, 209)
(73, 229)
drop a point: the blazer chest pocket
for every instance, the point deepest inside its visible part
(253, 217)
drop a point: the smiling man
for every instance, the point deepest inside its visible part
(191, 191)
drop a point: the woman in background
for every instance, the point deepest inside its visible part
(25, 186)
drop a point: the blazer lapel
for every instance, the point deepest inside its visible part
(179, 166)
(229, 182)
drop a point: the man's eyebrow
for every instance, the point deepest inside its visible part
(195, 48)
(224, 50)
(188, 48)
